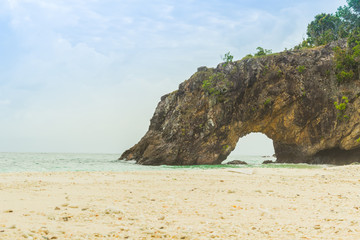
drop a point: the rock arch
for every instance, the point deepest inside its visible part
(288, 96)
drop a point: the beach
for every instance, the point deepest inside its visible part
(249, 203)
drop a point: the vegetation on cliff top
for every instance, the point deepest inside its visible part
(345, 23)
(326, 28)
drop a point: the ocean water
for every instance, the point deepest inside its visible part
(59, 162)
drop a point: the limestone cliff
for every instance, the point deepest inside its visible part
(287, 96)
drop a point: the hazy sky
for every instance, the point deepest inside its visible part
(86, 75)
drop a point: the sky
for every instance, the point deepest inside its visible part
(86, 75)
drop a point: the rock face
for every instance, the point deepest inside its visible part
(287, 96)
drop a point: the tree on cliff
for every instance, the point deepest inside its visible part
(325, 28)
(330, 27)
(262, 52)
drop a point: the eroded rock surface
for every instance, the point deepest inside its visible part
(287, 96)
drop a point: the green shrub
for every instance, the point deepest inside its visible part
(344, 76)
(301, 69)
(216, 84)
(207, 85)
(341, 107)
(247, 56)
(183, 131)
(303, 92)
(262, 52)
(265, 70)
(304, 44)
(227, 59)
(347, 61)
(267, 102)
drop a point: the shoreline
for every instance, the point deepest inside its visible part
(259, 203)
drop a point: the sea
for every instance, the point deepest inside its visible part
(61, 162)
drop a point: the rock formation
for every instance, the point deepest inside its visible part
(288, 96)
(237, 162)
(268, 162)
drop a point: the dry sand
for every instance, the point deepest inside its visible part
(182, 204)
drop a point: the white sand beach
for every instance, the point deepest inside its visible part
(182, 204)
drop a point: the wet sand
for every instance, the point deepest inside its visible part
(182, 204)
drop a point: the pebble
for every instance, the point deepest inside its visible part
(113, 211)
(12, 226)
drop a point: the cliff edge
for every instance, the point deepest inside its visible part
(289, 96)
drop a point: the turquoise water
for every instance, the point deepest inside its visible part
(56, 162)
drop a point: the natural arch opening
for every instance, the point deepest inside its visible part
(253, 148)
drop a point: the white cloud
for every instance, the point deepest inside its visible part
(12, 3)
(4, 102)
